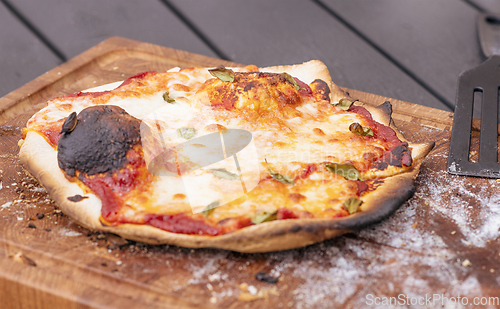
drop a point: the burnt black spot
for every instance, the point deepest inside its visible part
(76, 198)
(99, 142)
(295, 228)
(320, 89)
(399, 156)
(380, 165)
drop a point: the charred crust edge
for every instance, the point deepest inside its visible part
(76, 198)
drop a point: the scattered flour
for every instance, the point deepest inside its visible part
(8, 204)
(70, 233)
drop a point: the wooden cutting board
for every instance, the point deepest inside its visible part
(443, 241)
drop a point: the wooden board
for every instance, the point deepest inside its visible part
(443, 241)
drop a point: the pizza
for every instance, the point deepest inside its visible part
(245, 158)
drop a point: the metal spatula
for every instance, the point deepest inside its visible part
(479, 84)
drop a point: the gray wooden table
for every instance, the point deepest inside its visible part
(408, 50)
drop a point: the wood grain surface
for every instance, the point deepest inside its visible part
(443, 241)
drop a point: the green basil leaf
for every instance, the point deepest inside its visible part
(222, 173)
(264, 216)
(281, 178)
(187, 133)
(222, 73)
(344, 104)
(167, 98)
(356, 128)
(346, 170)
(291, 80)
(352, 204)
(210, 208)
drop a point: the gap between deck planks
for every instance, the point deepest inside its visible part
(435, 40)
(282, 35)
(23, 56)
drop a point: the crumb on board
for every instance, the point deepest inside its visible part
(466, 263)
(20, 257)
(253, 293)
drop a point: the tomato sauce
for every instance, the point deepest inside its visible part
(183, 224)
(138, 76)
(397, 153)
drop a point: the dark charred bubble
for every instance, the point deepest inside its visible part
(76, 198)
(320, 89)
(398, 157)
(99, 142)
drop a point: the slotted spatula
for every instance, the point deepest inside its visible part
(480, 83)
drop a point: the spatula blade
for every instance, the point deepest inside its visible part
(484, 78)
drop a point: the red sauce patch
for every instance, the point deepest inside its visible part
(87, 94)
(138, 76)
(112, 188)
(51, 131)
(284, 214)
(362, 187)
(305, 89)
(233, 224)
(397, 154)
(336, 213)
(311, 168)
(182, 224)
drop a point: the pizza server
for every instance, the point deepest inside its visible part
(482, 84)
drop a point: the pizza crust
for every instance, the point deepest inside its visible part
(40, 159)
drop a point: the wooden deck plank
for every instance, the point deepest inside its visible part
(436, 40)
(286, 32)
(490, 6)
(74, 26)
(22, 56)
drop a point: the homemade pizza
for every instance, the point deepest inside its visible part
(245, 158)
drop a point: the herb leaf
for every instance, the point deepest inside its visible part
(70, 123)
(264, 216)
(187, 133)
(281, 178)
(222, 73)
(291, 80)
(222, 173)
(352, 204)
(167, 98)
(344, 104)
(356, 128)
(210, 208)
(346, 170)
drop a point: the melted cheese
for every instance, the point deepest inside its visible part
(288, 133)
